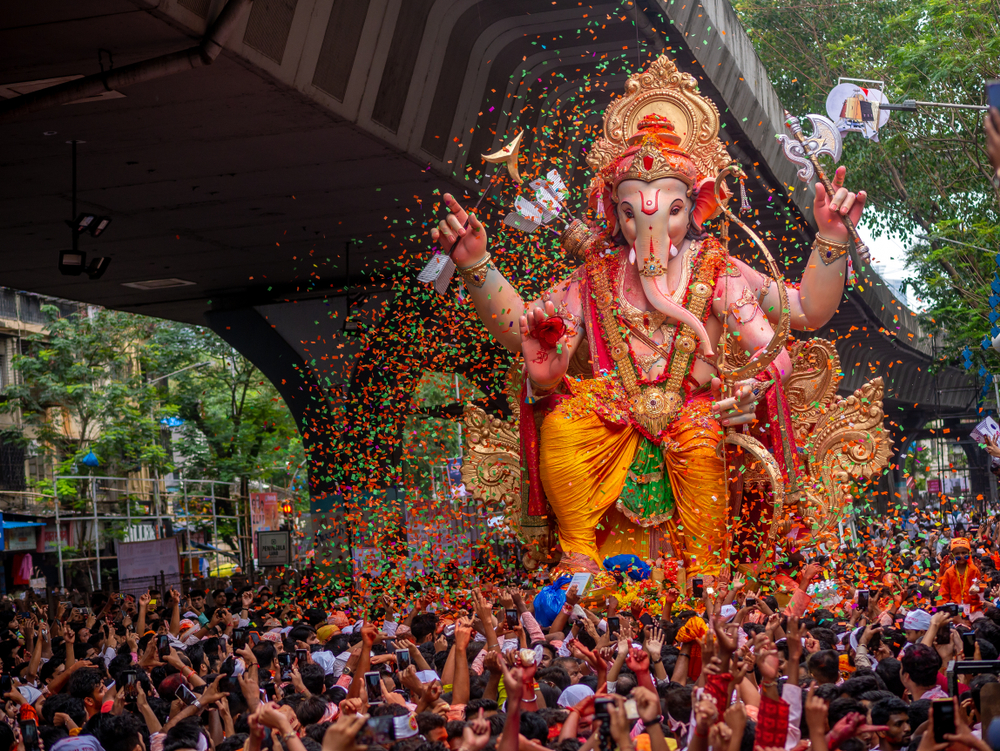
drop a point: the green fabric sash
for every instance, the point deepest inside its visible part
(647, 497)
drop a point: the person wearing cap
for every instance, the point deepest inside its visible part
(957, 581)
(915, 625)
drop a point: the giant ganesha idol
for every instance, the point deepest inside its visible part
(661, 407)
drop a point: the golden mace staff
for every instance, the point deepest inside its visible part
(805, 151)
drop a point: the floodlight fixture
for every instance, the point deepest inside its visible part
(83, 222)
(72, 262)
(97, 267)
(98, 226)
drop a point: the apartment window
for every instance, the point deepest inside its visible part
(11, 466)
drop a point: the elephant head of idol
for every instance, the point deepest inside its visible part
(658, 199)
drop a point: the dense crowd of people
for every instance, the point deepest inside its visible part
(749, 664)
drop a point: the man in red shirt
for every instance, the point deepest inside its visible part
(957, 581)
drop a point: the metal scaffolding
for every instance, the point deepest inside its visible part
(193, 503)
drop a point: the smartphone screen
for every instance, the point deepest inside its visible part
(944, 718)
(993, 93)
(129, 678)
(864, 598)
(239, 638)
(751, 601)
(302, 656)
(29, 733)
(373, 682)
(631, 710)
(285, 663)
(614, 624)
(511, 618)
(378, 731)
(402, 659)
(163, 645)
(186, 695)
(270, 691)
(969, 643)
(697, 587)
(254, 638)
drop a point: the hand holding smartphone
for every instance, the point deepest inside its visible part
(601, 708)
(373, 683)
(402, 659)
(186, 695)
(29, 733)
(943, 714)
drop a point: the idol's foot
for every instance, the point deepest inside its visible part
(572, 563)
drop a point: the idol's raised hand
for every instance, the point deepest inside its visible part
(828, 212)
(467, 245)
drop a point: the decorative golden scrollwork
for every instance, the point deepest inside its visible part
(513, 382)
(850, 441)
(812, 386)
(847, 443)
(491, 469)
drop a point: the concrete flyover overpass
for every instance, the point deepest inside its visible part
(236, 144)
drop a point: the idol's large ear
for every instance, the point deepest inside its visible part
(705, 205)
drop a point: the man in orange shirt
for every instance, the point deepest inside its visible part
(958, 580)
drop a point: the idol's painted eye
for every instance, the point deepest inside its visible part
(675, 210)
(628, 213)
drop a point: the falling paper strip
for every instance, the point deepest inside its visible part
(550, 192)
(433, 268)
(444, 278)
(520, 222)
(529, 211)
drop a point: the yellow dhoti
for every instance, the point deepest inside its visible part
(585, 460)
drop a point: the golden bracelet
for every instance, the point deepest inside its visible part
(537, 392)
(830, 251)
(475, 275)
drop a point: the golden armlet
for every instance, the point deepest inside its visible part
(830, 251)
(475, 275)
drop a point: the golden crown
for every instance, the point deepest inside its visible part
(692, 136)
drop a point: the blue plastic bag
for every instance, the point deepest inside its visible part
(631, 565)
(550, 600)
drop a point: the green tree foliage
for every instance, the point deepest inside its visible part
(927, 176)
(81, 389)
(93, 383)
(235, 425)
